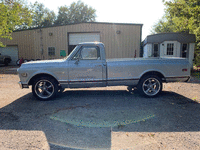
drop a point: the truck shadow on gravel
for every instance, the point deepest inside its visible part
(85, 119)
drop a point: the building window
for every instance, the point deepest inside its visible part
(51, 51)
(170, 49)
(155, 50)
(184, 50)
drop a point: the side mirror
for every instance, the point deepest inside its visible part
(0, 53)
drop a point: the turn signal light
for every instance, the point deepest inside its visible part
(184, 70)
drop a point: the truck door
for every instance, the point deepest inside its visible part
(86, 68)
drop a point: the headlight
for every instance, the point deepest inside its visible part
(24, 74)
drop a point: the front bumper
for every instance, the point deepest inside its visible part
(23, 85)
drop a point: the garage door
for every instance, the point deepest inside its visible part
(11, 51)
(76, 38)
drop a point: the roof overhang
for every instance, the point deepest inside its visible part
(161, 37)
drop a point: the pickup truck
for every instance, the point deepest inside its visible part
(5, 59)
(87, 66)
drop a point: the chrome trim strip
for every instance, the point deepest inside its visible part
(66, 81)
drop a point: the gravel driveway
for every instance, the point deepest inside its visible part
(104, 118)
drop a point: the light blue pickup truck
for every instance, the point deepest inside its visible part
(87, 66)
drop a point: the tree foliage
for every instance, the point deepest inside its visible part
(75, 13)
(181, 16)
(13, 14)
(41, 16)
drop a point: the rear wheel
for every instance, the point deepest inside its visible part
(150, 86)
(45, 88)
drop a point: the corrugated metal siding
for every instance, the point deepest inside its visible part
(121, 45)
(24, 41)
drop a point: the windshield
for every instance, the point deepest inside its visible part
(70, 53)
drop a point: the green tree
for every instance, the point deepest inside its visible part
(42, 17)
(63, 16)
(13, 15)
(49, 19)
(75, 13)
(181, 16)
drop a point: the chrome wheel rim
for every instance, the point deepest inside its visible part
(151, 86)
(44, 89)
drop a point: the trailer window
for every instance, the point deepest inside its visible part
(170, 48)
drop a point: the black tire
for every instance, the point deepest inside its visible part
(6, 62)
(45, 88)
(150, 86)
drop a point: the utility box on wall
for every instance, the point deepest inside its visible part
(62, 53)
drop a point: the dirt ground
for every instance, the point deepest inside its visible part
(174, 126)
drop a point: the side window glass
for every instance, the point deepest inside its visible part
(88, 53)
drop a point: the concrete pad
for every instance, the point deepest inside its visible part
(21, 140)
(155, 140)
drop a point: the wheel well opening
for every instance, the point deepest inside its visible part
(160, 75)
(7, 59)
(40, 75)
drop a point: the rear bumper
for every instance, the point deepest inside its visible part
(23, 85)
(188, 79)
(178, 79)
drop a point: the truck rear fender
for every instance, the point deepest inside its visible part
(160, 74)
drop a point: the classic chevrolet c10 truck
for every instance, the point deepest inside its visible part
(87, 66)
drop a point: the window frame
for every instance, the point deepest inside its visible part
(80, 50)
(170, 49)
(51, 52)
(158, 54)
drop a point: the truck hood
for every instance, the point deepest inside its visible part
(43, 63)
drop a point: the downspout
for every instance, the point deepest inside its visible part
(141, 54)
(41, 44)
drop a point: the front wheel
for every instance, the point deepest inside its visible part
(150, 86)
(45, 88)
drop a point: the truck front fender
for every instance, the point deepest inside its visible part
(39, 74)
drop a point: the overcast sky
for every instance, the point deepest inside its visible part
(146, 12)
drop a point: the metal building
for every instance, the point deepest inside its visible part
(121, 40)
